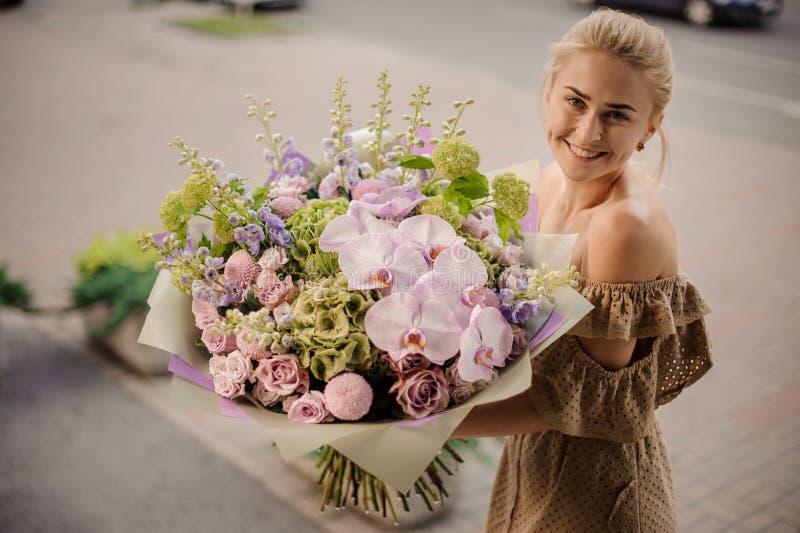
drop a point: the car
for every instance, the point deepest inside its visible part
(704, 12)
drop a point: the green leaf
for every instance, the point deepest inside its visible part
(204, 242)
(259, 195)
(464, 205)
(236, 185)
(474, 186)
(221, 249)
(451, 194)
(419, 162)
(505, 224)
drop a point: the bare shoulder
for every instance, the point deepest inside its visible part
(630, 239)
(551, 178)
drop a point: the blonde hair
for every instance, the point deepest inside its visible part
(632, 40)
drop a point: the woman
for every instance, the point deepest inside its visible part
(586, 452)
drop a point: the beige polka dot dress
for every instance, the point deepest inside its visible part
(605, 467)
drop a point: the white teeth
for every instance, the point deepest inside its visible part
(583, 153)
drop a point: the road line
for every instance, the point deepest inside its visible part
(739, 57)
(789, 108)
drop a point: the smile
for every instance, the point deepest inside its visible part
(584, 154)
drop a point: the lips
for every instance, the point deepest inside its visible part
(584, 154)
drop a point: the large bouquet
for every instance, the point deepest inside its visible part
(358, 305)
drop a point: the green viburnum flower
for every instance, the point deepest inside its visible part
(196, 191)
(172, 212)
(511, 194)
(454, 158)
(328, 327)
(222, 227)
(437, 205)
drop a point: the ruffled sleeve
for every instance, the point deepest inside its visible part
(578, 397)
(623, 311)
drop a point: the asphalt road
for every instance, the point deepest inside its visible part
(737, 79)
(80, 454)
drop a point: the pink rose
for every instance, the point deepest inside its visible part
(238, 367)
(266, 397)
(247, 342)
(288, 186)
(283, 314)
(272, 291)
(520, 340)
(423, 392)
(216, 341)
(479, 295)
(282, 374)
(460, 390)
(310, 408)
(366, 187)
(216, 365)
(273, 258)
(410, 362)
(227, 387)
(205, 313)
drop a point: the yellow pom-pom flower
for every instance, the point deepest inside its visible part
(223, 227)
(437, 205)
(196, 191)
(172, 212)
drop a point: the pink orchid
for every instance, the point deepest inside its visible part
(432, 233)
(394, 202)
(461, 267)
(402, 324)
(344, 228)
(484, 345)
(373, 261)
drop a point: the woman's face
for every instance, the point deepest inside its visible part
(598, 109)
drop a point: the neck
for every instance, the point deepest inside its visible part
(582, 195)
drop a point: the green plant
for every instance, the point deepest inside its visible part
(114, 271)
(13, 293)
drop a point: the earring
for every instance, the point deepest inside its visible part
(640, 147)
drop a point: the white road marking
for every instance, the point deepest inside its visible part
(742, 58)
(789, 108)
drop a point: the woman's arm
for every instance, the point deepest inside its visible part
(513, 416)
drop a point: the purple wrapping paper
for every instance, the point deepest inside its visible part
(528, 222)
(551, 326)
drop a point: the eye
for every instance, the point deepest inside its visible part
(616, 115)
(575, 102)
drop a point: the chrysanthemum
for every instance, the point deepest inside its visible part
(348, 396)
(242, 269)
(285, 206)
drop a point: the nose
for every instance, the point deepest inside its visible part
(590, 129)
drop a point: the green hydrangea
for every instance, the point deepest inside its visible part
(455, 157)
(328, 327)
(196, 191)
(178, 272)
(437, 205)
(511, 194)
(222, 227)
(172, 212)
(305, 226)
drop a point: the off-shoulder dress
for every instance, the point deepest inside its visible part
(605, 467)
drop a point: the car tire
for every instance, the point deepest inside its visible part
(699, 12)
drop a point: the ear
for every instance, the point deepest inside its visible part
(655, 123)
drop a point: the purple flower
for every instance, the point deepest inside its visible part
(519, 312)
(233, 292)
(280, 237)
(234, 219)
(263, 213)
(211, 275)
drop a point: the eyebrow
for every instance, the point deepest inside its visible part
(588, 99)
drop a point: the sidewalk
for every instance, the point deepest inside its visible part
(95, 99)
